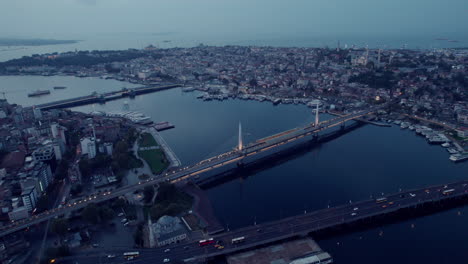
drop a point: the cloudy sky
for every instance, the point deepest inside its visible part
(58, 18)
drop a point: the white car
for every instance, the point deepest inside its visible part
(166, 260)
(412, 194)
(167, 250)
(124, 220)
(353, 214)
(121, 214)
(111, 256)
(355, 209)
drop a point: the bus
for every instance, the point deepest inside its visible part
(237, 240)
(447, 192)
(205, 242)
(131, 255)
(381, 200)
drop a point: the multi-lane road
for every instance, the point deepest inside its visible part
(182, 174)
(295, 226)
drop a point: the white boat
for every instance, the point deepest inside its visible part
(452, 151)
(458, 157)
(446, 145)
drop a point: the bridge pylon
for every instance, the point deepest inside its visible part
(240, 144)
(316, 115)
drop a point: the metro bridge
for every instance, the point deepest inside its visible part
(101, 98)
(231, 158)
(361, 213)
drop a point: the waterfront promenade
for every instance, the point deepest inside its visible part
(170, 154)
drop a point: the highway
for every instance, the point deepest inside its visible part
(182, 174)
(295, 226)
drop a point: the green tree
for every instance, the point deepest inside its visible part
(149, 193)
(85, 168)
(121, 147)
(138, 236)
(91, 214)
(62, 170)
(59, 226)
(42, 203)
(106, 214)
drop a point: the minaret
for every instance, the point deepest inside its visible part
(240, 144)
(317, 115)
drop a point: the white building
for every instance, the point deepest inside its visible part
(29, 197)
(88, 147)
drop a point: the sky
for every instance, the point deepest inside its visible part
(69, 18)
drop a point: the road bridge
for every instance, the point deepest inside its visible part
(299, 225)
(231, 158)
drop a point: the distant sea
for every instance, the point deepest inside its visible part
(169, 40)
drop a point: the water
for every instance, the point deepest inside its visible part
(141, 40)
(369, 160)
(16, 88)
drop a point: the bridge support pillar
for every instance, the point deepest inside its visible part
(315, 137)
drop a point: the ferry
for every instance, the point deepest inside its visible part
(38, 93)
(59, 87)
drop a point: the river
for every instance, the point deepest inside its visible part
(367, 161)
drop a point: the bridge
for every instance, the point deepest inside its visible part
(296, 226)
(234, 158)
(101, 98)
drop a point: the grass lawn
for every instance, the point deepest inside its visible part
(155, 159)
(147, 140)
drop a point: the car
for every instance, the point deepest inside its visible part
(95, 245)
(167, 250)
(384, 206)
(124, 220)
(166, 260)
(427, 191)
(220, 247)
(259, 230)
(355, 209)
(126, 223)
(390, 203)
(353, 214)
(121, 214)
(111, 256)
(412, 194)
